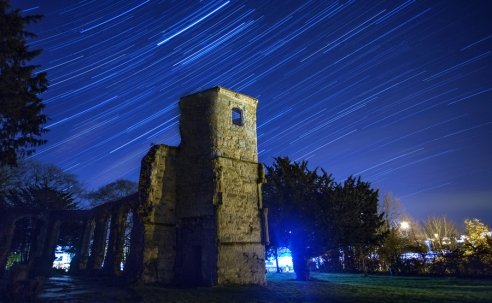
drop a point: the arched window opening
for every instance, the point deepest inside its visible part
(24, 241)
(237, 116)
(66, 246)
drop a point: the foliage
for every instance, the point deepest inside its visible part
(403, 235)
(355, 221)
(35, 185)
(33, 173)
(12, 259)
(38, 197)
(479, 237)
(472, 258)
(442, 233)
(20, 110)
(112, 192)
(296, 198)
(477, 249)
(392, 210)
(391, 250)
(318, 217)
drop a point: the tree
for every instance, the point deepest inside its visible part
(392, 210)
(296, 199)
(391, 249)
(45, 175)
(315, 215)
(403, 233)
(20, 107)
(441, 233)
(355, 220)
(39, 197)
(8, 176)
(478, 237)
(112, 192)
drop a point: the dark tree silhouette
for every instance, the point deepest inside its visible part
(32, 172)
(39, 197)
(20, 107)
(112, 192)
(297, 200)
(314, 215)
(355, 221)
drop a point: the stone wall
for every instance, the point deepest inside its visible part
(196, 259)
(195, 171)
(238, 214)
(230, 140)
(156, 215)
(241, 250)
(241, 264)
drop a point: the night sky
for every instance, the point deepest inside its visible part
(398, 92)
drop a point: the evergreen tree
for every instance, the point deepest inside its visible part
(296, 200)
(20, 106)
(355, 220)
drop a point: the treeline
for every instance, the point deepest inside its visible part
(436, 246)
(344, 227)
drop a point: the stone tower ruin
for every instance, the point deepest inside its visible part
(201, 219)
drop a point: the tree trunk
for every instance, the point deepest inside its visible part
(300, 267)
(299, 259)
(276, 259)
(364, 266)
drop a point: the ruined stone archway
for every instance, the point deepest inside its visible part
(198, 212)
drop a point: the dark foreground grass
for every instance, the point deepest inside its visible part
(332, 288)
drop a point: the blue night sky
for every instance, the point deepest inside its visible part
(398, 92)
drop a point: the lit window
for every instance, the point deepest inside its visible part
(237, 116)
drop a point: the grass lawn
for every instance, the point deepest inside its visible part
(332, 288)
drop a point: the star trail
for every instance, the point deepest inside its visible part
(398, 92)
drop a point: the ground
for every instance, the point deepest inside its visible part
(67, 289)
(334, 288)
(281, 288)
